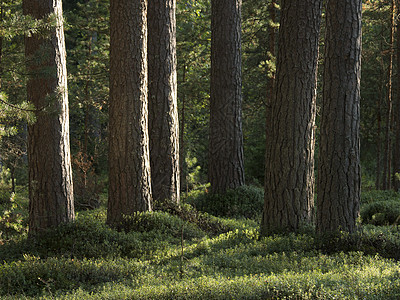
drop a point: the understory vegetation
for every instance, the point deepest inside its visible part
(185, 252)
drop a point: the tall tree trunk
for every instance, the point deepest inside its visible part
(339, 153)
(387, 154)
(396, 154)
(378, 145)
(289, 175)
(378, 181)
(271, 72)
(163, 105)
(50, 174)
(1, 44)
(182, 146)
(225, 165)
(129, 163)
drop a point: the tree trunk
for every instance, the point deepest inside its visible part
(289, 176)
(182, 146)
(396, 154)
(129, 164)
(163, 105)
(382, 86)
(226, 166)
(1, 43)
(50, 174)
(271, 73)
(378, 146)
(386, 178)
(339, 153)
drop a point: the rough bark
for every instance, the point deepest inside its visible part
(50, 174)
(339, 153)
(289, 175)
(271, 73)
(387, 155)
(396, 154)
(129, 164)
(163, 106)
(182, 145)
(225, 165)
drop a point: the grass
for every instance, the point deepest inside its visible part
(218, 258)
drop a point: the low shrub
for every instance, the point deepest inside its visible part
(88, 237)
(242, 202)
(378, 195)
(31, 276)
(163, 223)
(385, 212)
(370, 239)
(188, 213)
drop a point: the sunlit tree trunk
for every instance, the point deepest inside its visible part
(129, 164)
(387, 154)
(163, 106)
(339, 177)
(50, 174)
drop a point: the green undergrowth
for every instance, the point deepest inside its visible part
(178, 252)
(242, 202)
(380, 208)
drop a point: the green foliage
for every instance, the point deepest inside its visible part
(244, 201)
(162, 223)
(87, 185)
(13, 210)
(377, 196)
(32, 276)
(380, 207)
(13, 23)
(193, 40)
(12, 221)
(188, 213)
(88, 40)
(88, 260)
(381, 213)
(258, 66)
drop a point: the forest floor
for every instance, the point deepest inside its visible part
(185, 254)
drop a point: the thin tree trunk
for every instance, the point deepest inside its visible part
(163, 103)
(378, 182)
(129, 163)
(386, 178)
(182, 150)
(396, 154)
(289, 176)
(271, 73)
(339, 176)
(225, 164)
(378, 146)
(1, 44)
(50, 174)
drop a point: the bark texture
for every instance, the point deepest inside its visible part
(289, 175)
(271, 72)
(163, 106)
(339, 152)
(226, 166)
(50, 175)
(387, 155)
(129, 164)
(396, 151)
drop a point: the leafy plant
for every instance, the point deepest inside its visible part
(12, 222)
(243, 202)
(381, 212)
